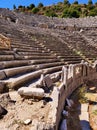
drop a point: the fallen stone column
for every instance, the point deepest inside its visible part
(31, 92)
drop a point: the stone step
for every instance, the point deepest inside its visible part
(62, 51)
(72, 62)
(6, 57)
(52, 70)
(6, 52)
(13, 83)
(42, 61)
(54, 77)
(72, 59)
(59, 50)
(19, 63)
(65, 54)
(34, 53)
(68, 56)
(4, 49)
(17, 71)
(14, 63)
(48, 65)
(34, 57)
(25, 69)
(17, 82)
(25, 45)
(30, 50)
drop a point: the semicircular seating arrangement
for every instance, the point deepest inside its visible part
(39, 47)
(35, 50)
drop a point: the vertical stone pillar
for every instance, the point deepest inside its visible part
(85, 69)
(95, 66)
(64, 75)
(70, 71)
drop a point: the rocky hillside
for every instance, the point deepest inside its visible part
(63, 9)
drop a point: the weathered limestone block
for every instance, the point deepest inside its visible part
(64, 75)
(55, 77)
(38, 84)
(1, 65)
(2, 75)
(2, 87)
(70, 71)
(27, 122)
(31, 92)
(5, 99)
(48, 81)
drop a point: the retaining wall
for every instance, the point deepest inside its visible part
(73, 76)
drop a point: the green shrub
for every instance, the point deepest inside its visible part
(35, 10)
(50, 13)
(81, 94)
(95, 112)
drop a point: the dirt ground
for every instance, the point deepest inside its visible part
(20, 110)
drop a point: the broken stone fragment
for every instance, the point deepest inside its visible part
(4, 100)
(27, 122)
(3, 111)
(68, 102)
(47, 83)
(2, 75)
(71, 102)
(1, 87)
(31, 92)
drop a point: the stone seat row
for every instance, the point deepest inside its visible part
(19, 63)
(18, 81)
(25, 69)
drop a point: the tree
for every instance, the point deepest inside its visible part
(84, 12)
(66, 2)
(23, 9)
(90, 2)
(35, 10)
(65, 13)
(40, 5)
(50, 13)
(95, 3)
(74, 13)
(31, 6)
(14, 7)
(93, 12)
(75, 2)
(20, 7)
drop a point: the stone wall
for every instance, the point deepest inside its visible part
(73, 76)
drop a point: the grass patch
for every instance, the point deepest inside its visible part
(95, 112)
(81, 94)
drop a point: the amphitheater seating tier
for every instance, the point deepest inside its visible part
(35, 50)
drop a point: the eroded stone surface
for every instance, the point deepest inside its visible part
(3, 111)
(31, 92)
